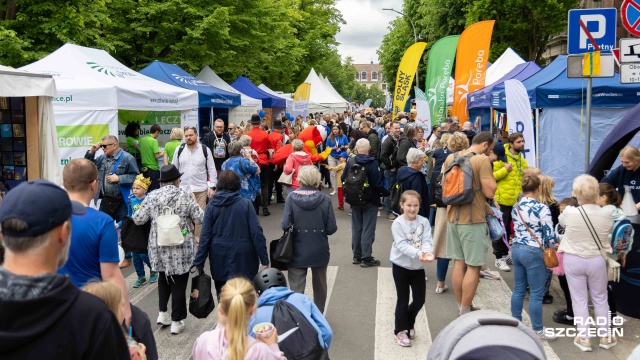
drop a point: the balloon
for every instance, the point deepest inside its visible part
(121, 253)
(288, 116)
(262, 113)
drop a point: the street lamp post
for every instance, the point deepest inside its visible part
(415, 35)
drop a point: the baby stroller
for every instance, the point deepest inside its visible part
(486, 335)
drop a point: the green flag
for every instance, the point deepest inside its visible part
(439, 66)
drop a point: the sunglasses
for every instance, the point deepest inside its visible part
(104, 146)
(190, 128)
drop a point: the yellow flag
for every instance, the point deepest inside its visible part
(591, 64)
(471, 64)
(302, 92)
(301, 100)
(406, 72)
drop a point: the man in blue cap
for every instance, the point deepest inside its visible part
(42, 314)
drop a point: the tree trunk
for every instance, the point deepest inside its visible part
(10, 14)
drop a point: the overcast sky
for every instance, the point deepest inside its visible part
(366, 25)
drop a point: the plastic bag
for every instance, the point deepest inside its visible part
(628, 205)
(201, 302)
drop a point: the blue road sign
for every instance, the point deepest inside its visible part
(601, 23)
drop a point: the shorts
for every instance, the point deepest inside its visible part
(469, 242)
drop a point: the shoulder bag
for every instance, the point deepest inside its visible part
(548, 254)
(613, 267)
(286, 179)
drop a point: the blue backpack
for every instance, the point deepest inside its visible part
(622, 236)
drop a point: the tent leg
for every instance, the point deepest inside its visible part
(538, 138)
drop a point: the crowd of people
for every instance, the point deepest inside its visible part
(204, 203)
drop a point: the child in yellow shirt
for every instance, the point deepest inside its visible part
(338, 169)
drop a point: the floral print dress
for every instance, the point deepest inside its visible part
(172, 260)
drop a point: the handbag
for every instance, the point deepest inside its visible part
(281, 250)
(201, 302)
(111, 204)
(613, 267)
(286, 179)
(496, 229)
(135, 237)
(548, 254)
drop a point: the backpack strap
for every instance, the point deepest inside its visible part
(206, 157)
(180, 149)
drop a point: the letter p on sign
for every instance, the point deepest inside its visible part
(600, 22)
(596, 24)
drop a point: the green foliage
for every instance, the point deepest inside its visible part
(361, 93)
(393, 46)
(275, 42)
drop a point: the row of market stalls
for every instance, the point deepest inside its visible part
(91, 95)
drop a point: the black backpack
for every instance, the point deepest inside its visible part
(396, 194)
(357, 191)
(301, 340)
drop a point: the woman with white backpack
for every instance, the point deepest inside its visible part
(172, 246)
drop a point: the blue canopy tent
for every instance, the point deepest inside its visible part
(248, 88)
(209, 97)
(479, 102)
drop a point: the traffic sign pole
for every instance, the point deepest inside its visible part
(587, 143)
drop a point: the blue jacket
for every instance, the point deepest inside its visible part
(619, 177)
(373, 177)
(314, 221)
(300, 302)
(235, 244)
(127, 172)
(413, 179)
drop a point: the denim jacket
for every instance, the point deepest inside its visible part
(127, 171)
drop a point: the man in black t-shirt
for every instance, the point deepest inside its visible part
(218, 141)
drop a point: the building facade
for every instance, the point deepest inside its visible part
(369, 74)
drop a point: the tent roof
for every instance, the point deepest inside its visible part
(93, 80)
(208, 96)
(505, 63)
(287, 97)
(482, 97)
(245, 86)
(333, 90)
(15, 83)
(607, 92)
(210, 77)
(323, 94)
(548, 73)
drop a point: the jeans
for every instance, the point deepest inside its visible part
(406, 313)
(363, 230)
(528, 268)
(441, 268)
(390, 178)
(139, 259)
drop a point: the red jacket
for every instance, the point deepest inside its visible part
(276, 140)
(260, 143)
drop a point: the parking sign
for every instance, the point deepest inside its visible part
(601, 23)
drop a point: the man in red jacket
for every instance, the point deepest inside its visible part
(260, 143)
(276, 141)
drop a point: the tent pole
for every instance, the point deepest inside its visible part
(490, 122)
(538, 138)
(587, 145)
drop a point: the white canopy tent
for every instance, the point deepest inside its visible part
(248, 105)
(95, 91)
(505, 63)
(323, 97)
(38, 90)
(287, 96)
(333, 90)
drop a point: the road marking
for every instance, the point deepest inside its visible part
(496, 295)
(385, 343)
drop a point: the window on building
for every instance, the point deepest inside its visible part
(384, 87)
(374, 76)
(357, 76)
(363, 76)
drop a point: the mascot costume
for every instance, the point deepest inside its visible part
(311, 136)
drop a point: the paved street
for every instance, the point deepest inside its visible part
(361, 304)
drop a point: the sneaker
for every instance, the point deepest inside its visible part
(341, 208)
(607, 343)
(139, 282)
(154, 277)
(545, 337)
(332, 193)
(391, 217)
(164, 318)
(509, 259)
(547, 299)
(177, 327)
(440, 290)
(403, 339)
(582, 344)
(488, 274)
(356, 261)
(370, 262)
(561, 317)
(412, 334)
(501, 264)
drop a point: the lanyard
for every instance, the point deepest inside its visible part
(518, 162)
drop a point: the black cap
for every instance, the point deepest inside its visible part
(268, 278)
(277, 124)
(498, 149)
(255, 119)
(169, 173)
(42, 204)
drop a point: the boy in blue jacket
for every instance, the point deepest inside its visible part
(271, 285)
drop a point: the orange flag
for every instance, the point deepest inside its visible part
(471, 64)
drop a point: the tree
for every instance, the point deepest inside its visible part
(376, 95)
(393, 46)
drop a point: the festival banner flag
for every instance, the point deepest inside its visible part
(423, 117)
(519, 116)
(471, 64)
(406, 72)
(301, 100)
(439, 66)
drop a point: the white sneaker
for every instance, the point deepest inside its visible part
(177, 327)
(164, 319)
(488, 274)
(546, 337)
(332, 193)
(509, 259)
(501, 264)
